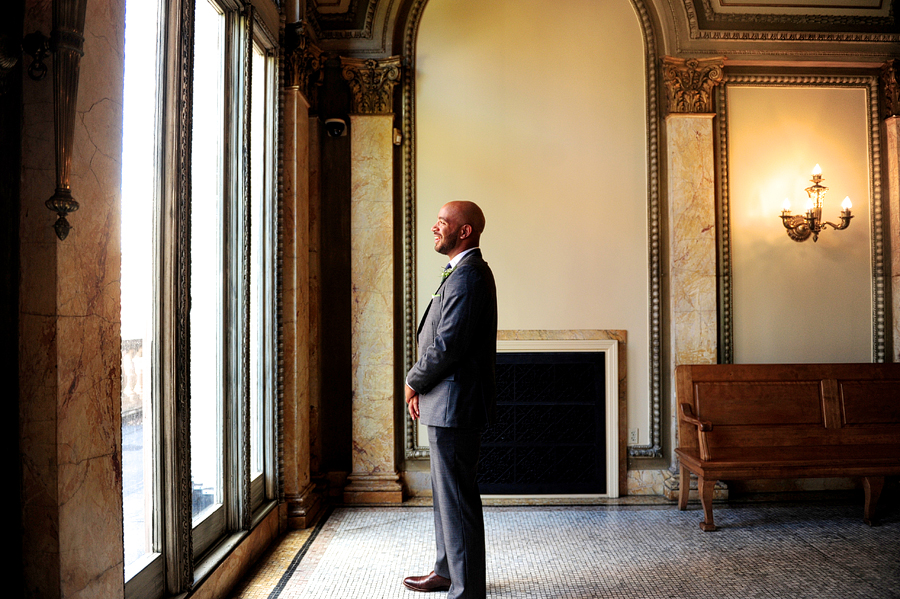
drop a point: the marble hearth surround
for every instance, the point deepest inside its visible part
(418, 482)
(612, 341)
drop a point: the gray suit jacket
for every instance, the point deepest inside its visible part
(455, 373)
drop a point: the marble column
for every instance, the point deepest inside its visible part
(69, 328)
(692, 238)
(890, 77)
(374, 478)
(304, 502)
(691, 163)
(692, 208)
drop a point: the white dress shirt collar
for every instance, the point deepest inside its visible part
(460, 256)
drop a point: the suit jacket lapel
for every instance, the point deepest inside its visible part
(470, 255)
(428, 307)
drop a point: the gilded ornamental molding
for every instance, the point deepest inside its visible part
(707, 24)
(371, 83)
(890, 88)
(877, 205)
(303, 60)
(689, 83)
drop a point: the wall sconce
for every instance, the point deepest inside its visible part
(66, 44)
(799, 228)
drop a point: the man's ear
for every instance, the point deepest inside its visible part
(465, 231)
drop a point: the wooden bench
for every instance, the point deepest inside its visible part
(768, 421)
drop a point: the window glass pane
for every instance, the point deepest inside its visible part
(206, 261)
(258, 289)
(139, 147)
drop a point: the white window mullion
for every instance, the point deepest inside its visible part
(262, 305)
(208, 278)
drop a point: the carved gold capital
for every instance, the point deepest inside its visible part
(371, 83)
(890, 88)
(303, 60)
(689, 83)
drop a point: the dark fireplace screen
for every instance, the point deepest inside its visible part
(550, 433)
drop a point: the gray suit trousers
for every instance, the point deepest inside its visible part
(458, 518)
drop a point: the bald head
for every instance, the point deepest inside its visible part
(459, 227)
(468, 213)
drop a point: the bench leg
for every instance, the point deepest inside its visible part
(873, 486)
(706, 488)
(684, 489)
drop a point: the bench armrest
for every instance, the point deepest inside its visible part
(703, 427)
(687, 414)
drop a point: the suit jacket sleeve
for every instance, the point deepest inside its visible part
(462, 297)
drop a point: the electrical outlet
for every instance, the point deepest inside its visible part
(633, 436)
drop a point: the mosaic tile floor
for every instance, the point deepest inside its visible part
(798, 550)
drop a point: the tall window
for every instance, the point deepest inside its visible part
(198, 286)
(207, 272)
(139, 205)
(262, 268)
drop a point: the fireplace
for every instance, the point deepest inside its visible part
(557, 427)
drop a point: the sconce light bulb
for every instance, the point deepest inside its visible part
(786, 206)
(809, 205)
(817, 170)
(847, 204)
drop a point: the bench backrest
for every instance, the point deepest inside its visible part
(756, 405)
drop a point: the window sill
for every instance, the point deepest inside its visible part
(208, 564)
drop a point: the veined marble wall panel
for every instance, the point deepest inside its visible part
(37, 336)
(296, 310)
(69, 327)
(372, 278)
(692, 238)
(892, 129)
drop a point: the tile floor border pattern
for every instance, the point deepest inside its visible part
(558, 552)
(304, 549)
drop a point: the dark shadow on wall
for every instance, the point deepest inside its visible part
(10, 167)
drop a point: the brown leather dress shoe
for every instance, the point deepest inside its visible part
(428, 583)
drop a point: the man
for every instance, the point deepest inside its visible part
(452, 390)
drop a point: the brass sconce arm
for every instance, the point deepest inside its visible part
(845, 221)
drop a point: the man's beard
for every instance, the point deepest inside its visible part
(446, 244)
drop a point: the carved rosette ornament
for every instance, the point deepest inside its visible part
(371, 83)
(303, 61)
(690, 82)
(890, 88)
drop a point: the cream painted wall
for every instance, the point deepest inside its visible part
(799, 302)
(549, 138)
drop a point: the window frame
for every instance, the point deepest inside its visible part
(182, 556)
(264, 486)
